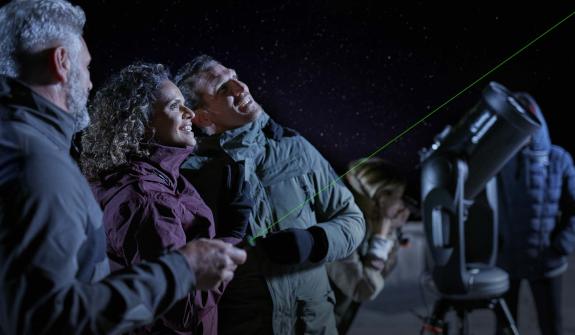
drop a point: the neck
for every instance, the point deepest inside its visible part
(217, 129)
(53, 92)
(212, 130)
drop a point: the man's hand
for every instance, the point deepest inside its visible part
(212, 261)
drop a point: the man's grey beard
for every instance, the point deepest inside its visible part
(77, 99)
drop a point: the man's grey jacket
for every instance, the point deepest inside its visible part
(292, 186)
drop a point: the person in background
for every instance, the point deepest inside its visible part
(378, 190)
(536, 191)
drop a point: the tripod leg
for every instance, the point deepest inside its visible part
(504, 317)
(435, 324)
(462, 316)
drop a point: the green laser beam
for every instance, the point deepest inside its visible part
(408, 129)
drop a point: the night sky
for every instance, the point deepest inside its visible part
(351, 75)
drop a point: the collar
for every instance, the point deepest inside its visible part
(168, 159)
(242, 143)
(38, 112)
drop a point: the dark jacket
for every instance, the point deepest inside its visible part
(53, 267)
(537, 207)
(292, 186)
(148, 209)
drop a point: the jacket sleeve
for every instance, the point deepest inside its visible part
(356, 279)
(564, 236)
(236, 206)
(43, 226)
(335, 209)
(222, 185)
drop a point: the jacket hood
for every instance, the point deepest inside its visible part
(540, 142)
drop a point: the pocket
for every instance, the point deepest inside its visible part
(330, 297)
(291, 202)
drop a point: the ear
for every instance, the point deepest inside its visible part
(60, 63)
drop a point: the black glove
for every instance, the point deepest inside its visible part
(295, 246)
(239, 204)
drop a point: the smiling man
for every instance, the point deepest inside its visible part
(284, 288)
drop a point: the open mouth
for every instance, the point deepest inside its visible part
(187, 128)
(244, 103)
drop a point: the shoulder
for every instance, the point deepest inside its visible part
(295, 146)
(561, 158)
(49, 189)
(24, 149)
(122, 204)
(298, 155)
(311, 155)
(51, 172)
(128, 191)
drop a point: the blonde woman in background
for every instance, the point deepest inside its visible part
(378, 190)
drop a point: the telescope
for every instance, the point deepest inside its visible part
(459, 167)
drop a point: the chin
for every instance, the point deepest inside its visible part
(188, 141)
(255, 113)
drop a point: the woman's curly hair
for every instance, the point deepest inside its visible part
(120, 114)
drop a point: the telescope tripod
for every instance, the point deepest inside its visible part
(437, 325)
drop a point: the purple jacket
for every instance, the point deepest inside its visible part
(149, 209)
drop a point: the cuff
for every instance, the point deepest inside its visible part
(320, 244)
(184, 276)
(380, 247)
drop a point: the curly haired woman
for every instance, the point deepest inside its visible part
(140, 134)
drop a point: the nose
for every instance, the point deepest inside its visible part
(187, 113)
(238, 87)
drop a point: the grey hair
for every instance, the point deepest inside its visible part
(32, 26)
(121, 112)
(187, 78)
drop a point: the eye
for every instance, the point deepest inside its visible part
(386, 193)
(174, 105)
(224, 88)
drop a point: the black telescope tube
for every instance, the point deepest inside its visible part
(489, 135)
